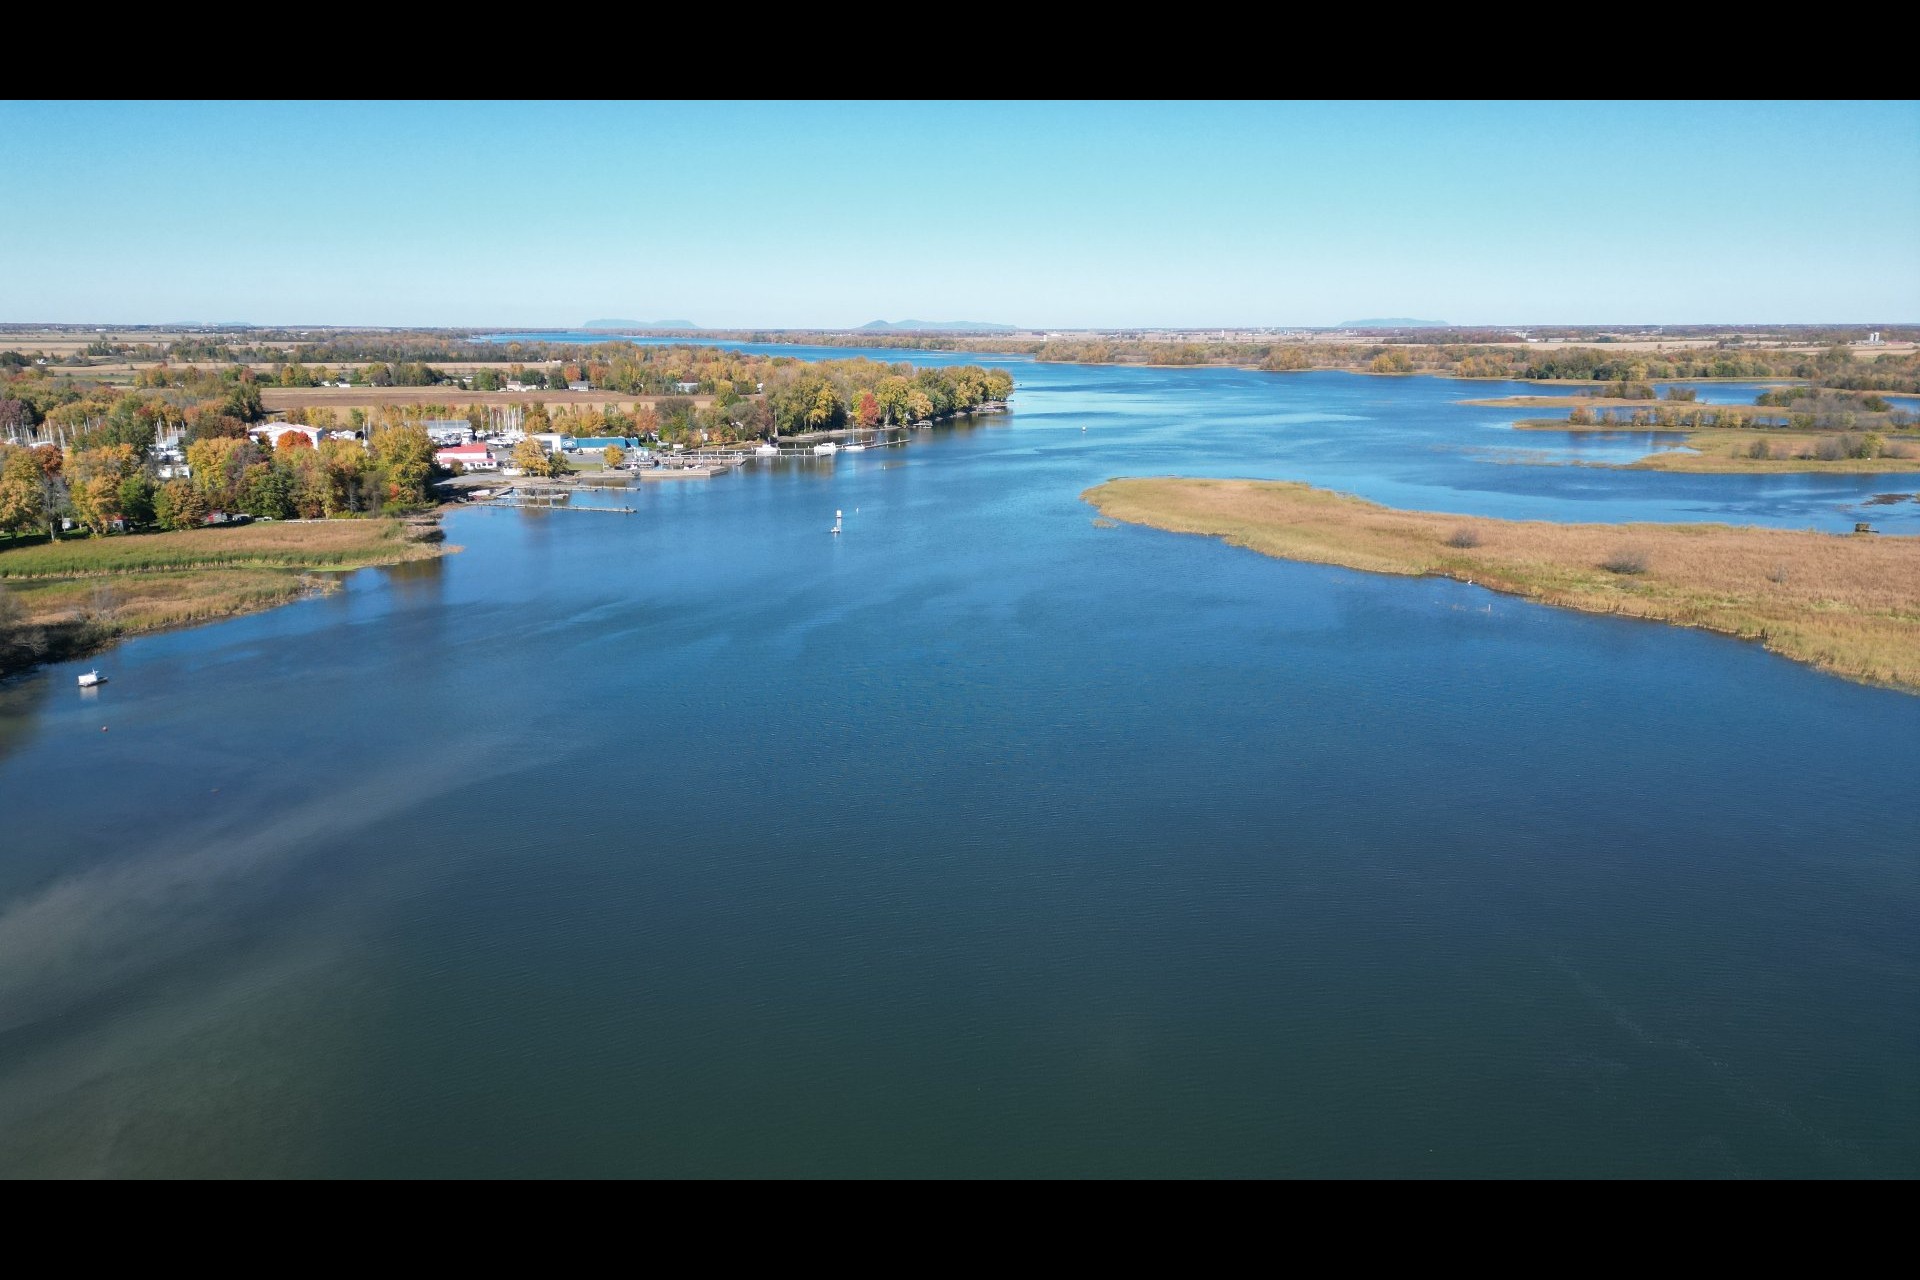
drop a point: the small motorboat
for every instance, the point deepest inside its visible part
(89, 679)
(828, 447)
(768, 451)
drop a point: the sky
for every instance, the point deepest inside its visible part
(1044, 215)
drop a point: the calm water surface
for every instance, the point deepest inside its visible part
(978, 840)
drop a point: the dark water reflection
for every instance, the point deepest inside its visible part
(977, 840)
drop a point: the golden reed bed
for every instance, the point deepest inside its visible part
(1849, 604)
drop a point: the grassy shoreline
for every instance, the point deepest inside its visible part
(1727, 450)
(64, 600)
(1849, 605)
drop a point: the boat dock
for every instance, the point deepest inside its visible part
(547, 498)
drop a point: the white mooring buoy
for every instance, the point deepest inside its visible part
(836, 522)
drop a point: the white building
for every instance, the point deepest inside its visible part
(269, 433)
(471, 457)
(554, 441)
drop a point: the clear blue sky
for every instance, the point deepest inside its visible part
(792, 215)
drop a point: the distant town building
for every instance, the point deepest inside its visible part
(686, 388)
(579, 386)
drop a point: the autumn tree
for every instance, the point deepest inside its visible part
(532, 458)
(22, 491)
(405, 456)
(615, 455)
(178, 505)
(891, 395)
(93, 483)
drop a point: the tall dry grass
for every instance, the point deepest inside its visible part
(1846, 604)
(315, 544)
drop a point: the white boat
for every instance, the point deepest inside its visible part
(91, 678)
(855, 447)
(828, 447)
(768, 451)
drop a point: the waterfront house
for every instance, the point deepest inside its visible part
(596, 444)
(471, 457)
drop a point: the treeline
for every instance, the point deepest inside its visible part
(116, 487)
(1837, 366)
(1008, 345)
(37, 406)
(1818, 411)
(867, 393)
(267, 346)
(798, 398)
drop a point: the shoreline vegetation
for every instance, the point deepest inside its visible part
(1849, 357)
(1849, 605)
(64, 600)
(1823, 356)
(1789, 430)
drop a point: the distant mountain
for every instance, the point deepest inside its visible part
(1395, 322)
(639, 324)
(948, 326)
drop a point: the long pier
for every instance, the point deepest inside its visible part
(547, 498)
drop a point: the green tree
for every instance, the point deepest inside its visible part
(268, 491)
(136, 498)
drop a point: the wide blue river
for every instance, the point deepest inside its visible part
(978, 840)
